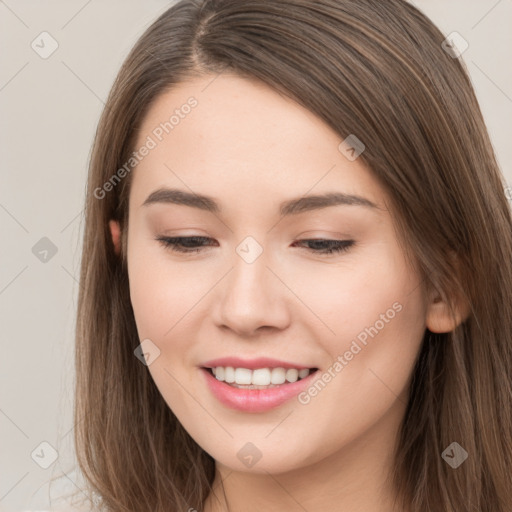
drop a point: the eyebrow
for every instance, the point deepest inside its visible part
(289, 207)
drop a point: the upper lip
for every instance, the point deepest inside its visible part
(252, 364)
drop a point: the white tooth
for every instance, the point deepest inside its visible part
(292, 375)
(229, 374)
(278, 376)
(243, 376)
(261, 377)
(303, 373)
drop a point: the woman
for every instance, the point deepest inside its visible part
(296, 274)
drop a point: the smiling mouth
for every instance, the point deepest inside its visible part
(247, 395)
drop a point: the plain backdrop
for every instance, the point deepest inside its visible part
(49, 111)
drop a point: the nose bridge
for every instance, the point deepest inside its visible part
(251, 296)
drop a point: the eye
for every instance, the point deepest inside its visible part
(187, 244)
(190, 244)
(329, 246)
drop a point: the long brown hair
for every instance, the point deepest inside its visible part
(365, 67)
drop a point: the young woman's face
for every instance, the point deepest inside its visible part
(260, 286)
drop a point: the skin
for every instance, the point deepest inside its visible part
(251, 148)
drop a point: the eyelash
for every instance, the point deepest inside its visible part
(174, 244)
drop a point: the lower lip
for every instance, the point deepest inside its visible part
(255, 400)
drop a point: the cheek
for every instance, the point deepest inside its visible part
(161, 291)
(151, 306)
(353, 294)
(378, 324)
(162, 297)
(372, 321)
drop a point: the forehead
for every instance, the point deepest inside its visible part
(215, 132)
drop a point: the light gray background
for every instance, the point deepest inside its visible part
(49, 111)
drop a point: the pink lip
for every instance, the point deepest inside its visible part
(252, 364)
(254, 400)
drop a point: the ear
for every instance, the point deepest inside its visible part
(115, 231)
(439, 318)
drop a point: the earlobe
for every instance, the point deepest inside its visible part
(115, 231)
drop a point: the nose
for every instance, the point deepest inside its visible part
(252, 298)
